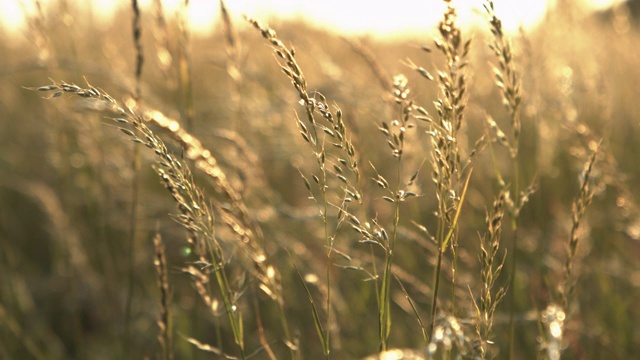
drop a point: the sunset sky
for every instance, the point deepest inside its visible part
(378, 18)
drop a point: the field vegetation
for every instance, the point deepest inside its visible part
(275, 191)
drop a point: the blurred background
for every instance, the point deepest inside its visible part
(400, 19)
(77, 275)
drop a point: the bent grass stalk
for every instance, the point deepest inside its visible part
(237, 217)
(196, 215)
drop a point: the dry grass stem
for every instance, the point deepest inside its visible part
(165, 336)
(578, 210)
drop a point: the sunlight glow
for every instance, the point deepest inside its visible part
(356, 17)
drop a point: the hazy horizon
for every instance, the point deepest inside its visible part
(401, 18)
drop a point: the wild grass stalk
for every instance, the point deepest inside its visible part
(491, 267)
(395, 135)
(448, 171)
(330, 141)
(555, 317)
(234, 70)
(165, 335)
(162, 45)
(135, 179)
(234, 213)
(508, 81)
(137, 42)
(578, 210)
(185, 66)
(195, 212)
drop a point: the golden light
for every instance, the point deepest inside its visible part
(357, 17)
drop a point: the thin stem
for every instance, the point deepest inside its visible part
(287, 333)
(434, 300)
(135, 180)
(385, 304)
(329, 240)
(184, 66)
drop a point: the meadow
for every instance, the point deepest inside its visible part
(274, 191)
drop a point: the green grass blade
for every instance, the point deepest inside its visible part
(316, 317)
(454, 224)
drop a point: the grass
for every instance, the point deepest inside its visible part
(284, 192)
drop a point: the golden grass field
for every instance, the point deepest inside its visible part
(278, 191)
